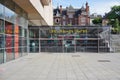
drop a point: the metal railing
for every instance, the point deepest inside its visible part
(115, 42)
(106, 39)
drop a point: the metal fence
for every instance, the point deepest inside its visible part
(115, 42)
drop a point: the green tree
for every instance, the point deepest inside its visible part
(114, 18)
(114, 13)
(97, 21)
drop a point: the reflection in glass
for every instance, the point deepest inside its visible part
(1, 11)
(9, 28)
(1, 55)
(2, 48)
(1, 26)
(9, 47)
(34, 33)
(9, 15)
(13, 32)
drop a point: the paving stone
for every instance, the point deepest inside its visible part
(60, 66)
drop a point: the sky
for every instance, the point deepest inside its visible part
(96, 6)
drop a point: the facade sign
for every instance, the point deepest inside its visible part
(65, 31)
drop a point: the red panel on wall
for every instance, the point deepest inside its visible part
(16, 41)
(8, 30)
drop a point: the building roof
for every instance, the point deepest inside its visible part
(55, 11)
(70, 7)
(77, 12)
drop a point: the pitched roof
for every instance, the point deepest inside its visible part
(77, 12)
(55, 11)
(70, 7)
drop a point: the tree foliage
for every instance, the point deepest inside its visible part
(114, 18)
(97, 21)
(114, 13)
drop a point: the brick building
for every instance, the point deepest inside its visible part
(72, 16)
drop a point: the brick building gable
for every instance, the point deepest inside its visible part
(71, 16)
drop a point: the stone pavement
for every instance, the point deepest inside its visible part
(63, 66)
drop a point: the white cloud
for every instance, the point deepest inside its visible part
(102, 7)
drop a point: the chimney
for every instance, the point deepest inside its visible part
(60, 9)
(86, 3)
(87, 8)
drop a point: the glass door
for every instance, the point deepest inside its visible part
(69, 44)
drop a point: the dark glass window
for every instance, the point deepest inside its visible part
(1, 11)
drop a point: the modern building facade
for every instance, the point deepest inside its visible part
(67, 39)
(72, 16)
(27, 27)
(15, 17)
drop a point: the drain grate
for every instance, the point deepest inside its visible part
(75, 55)
(104, 61)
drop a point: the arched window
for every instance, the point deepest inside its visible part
(57, 20)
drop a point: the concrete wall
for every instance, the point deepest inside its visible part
(46, 11)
